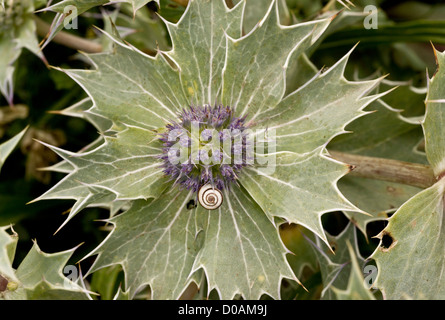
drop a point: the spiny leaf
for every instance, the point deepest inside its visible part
(143, 31)
(122, 168)
(131, 88)
(355, 289)
(17, 31)
(39, 276)
(299, 71)
(156, 243)
(195, 42)
(412, 258)
(241, 242)
(300, 189)
(435, 118)
(335, 261)
(304, 178)
(377, 198)
(85, 109)
(253, 77)
(409, 31)
(384, 133)
(7, 147)
(105, 282)
(319, 110)
(8, 244)
(68, 10)
(294, 238)
(255, 10)
(414, 237)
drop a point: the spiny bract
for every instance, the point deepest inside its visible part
(17, 31)
(212, 148)
(134, 98)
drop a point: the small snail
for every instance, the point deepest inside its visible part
(209, 197)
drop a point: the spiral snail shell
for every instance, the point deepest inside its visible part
(209, 197)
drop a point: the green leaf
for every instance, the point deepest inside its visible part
(410, 31)
(121, 295)
(66, 14)
(435, 118)
(194, 44)
(301, 188)
(9, 55)
(255, 10)
(240, 241)
(326, 104)
(7, 147)
(377, 198)
(355, 289)
(253, 77)
(124, 84)
(414, 237)
(85, 109)
(171, 10)
(107, 282)
(341, 267)
(174, 242)
(84, 5)
(146, 32)
(299, 71)
(17, 31)
(385, 133)
(294, 238)
(411, 260)
(8, 244)
(156, 243)
(125, 167)
(39, 276)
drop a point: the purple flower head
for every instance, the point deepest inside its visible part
(210, 143)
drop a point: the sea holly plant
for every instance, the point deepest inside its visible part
(387, 133)
(46, 282)
(67, 12)
(222, 167)
(17, 32)
(8, 146)
(28, 282)
(412, 255)
(341, 266)
(209, 153)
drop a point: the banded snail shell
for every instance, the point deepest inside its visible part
(209, 197)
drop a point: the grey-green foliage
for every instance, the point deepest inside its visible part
(17, 32)
(8, 146)
(342, 267)
(39, 276)
(69, 10)
(411, 261)
(132, 96)
(390, 132)
(244, 57)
